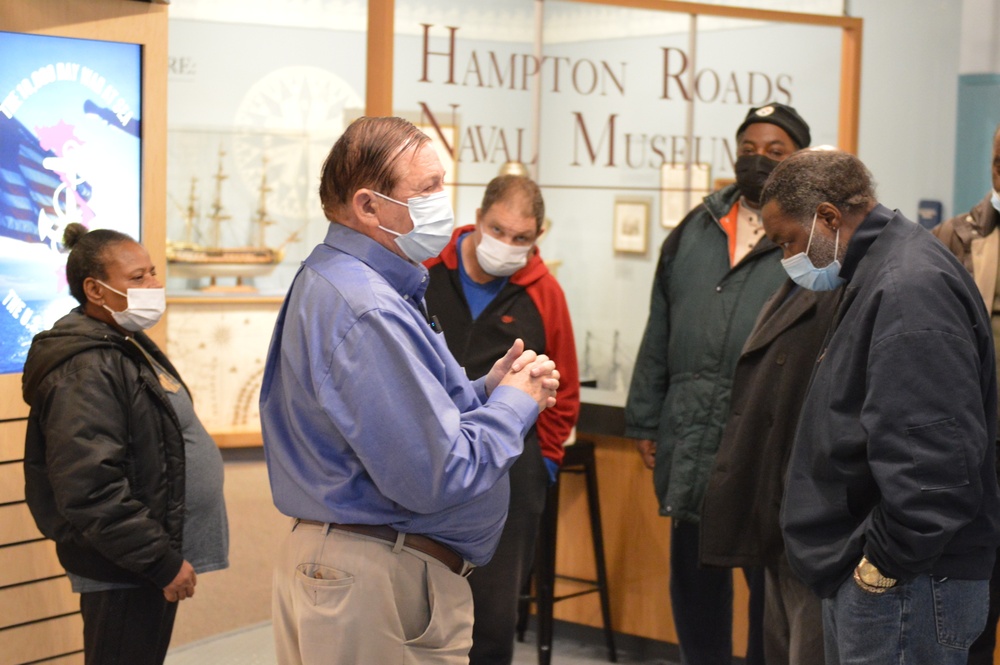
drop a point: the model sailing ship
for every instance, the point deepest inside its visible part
(191, 260)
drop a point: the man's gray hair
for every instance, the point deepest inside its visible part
(810, 177)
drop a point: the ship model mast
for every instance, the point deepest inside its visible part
(191, 213)
(217, 216)
(212, 260)
(262, 221)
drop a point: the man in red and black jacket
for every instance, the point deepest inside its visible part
(487, 288)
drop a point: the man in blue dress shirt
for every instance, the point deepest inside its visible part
(391, 462)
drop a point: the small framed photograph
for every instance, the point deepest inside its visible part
(675, 201)
(631, 225)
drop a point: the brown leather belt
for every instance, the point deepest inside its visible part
(449, 557)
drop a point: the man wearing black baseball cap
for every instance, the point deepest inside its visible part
(716, 270)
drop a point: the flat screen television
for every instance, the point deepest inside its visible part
(70, 151)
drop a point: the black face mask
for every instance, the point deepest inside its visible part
(751, 172)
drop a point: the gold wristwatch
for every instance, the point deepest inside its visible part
(870, 578)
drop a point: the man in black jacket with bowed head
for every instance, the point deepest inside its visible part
(891, 510)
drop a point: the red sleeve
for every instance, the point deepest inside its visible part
(556, 423)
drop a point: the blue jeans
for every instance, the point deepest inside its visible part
(927, 621)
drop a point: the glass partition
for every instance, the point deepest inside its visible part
(638, 129)
(253, 110)
(625, 115)
(465, 73)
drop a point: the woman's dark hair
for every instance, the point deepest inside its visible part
(87, 255)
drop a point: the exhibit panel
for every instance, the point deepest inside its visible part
(70, 131)
(225, 387)
(254, 108)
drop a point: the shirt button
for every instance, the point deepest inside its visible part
(406, 297)
(718, 289)
(424, 278)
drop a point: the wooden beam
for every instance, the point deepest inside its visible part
(378, 87)
(728, 12)
(850, 88)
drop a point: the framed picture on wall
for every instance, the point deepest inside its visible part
(631, 225)
(675, 202)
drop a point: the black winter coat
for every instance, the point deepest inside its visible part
(104, 453)
(739, 520)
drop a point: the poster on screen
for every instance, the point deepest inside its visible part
(70, 151)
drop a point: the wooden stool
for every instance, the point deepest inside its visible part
(579, 460)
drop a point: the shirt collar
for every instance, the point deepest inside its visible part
(409, 279)
(866, 234)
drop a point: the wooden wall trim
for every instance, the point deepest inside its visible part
(11, 404)
(43, 640)
(12, 439)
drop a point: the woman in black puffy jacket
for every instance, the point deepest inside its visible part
(119, 471)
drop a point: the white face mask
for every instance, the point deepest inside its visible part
(995, 200)
(500, 259)
(145, 307)
(433, 222)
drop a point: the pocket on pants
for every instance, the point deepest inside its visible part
(323, 585)
(960, 608)
(450, 627)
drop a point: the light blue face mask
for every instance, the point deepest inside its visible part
(802, 271)
(433, 222)
(995, 200)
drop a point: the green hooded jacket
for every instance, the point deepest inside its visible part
(701, 312)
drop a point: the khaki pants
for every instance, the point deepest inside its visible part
(343, 598)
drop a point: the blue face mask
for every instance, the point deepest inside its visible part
(802, 271)
(433, 222)
(995, 200)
